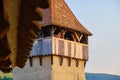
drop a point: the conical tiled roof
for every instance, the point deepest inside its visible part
(60, 14)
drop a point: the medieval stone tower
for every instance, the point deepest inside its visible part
(61, 50)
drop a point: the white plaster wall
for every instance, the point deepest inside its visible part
(51, 72)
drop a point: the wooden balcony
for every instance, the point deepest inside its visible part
(61, 47)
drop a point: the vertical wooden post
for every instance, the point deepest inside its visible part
(63, 31)
(73, 37)
(69, 61)
(85, 64)
(53, 30)
(40, 58)
(61, 60)
(51, 59)
(77, 62)
(30, 60)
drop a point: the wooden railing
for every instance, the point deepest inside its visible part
(61, 47)
(69, 48)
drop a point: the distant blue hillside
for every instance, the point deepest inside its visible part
(92, 76)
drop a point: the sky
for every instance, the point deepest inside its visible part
(102, 18)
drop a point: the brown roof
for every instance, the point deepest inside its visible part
(60, 14)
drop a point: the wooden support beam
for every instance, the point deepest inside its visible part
(51, 59)
(78, 36)
(31, 61)
(69, 61)
(77, 63)
(40, 58)
(73, 37)
(53, 30)
(84, 39)
(84, 64)
(63, 31)
(61, 60)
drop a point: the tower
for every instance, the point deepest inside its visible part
(61, 50)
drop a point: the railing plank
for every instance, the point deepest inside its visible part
(72, 50)
(61, 47)
(66, 48)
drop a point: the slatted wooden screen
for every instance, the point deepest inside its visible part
(60, 47)
(69, 48)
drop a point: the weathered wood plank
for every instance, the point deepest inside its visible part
(66, 48)
(46, 47)
(62, 48)
(85, 52)
(72, 50)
